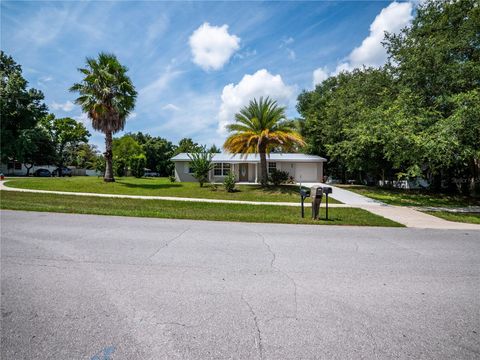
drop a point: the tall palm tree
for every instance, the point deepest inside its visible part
(107, 96)
(259, 128)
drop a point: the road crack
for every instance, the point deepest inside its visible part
(168, 242)
(258, 337)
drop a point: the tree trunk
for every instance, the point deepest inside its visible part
(263, 168)
(28, 169)
(108, 177)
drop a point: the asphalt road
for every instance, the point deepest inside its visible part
(98, 287)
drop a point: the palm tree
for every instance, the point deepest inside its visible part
(107, 96)
(259, 128)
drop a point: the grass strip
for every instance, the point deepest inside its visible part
(471, 218)
(160, 187)
(184, 210)
(418, 198)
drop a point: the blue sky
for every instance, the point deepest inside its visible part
(195, 63)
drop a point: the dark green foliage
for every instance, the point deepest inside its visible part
(186, 145)
(65, 134)
(229, 182)
(20, 108)
(137, 165)
(158, 152)
(201, 164)
(417, 116)
(278, 177)
(35, 148)
(120, 167)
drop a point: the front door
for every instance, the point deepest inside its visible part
(243, 169)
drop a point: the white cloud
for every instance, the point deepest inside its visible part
(371, 52)
(212, 46)
(171, 107)
(262, 83)
(66, 107)
(132, 115)
(291, 54)
(319, 75)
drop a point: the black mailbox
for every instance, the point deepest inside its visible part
(327, 190)
(304, 193)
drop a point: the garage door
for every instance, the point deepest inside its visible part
(306, 172)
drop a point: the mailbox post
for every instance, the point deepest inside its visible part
(316, 192)
(326, 190)
(304, 193)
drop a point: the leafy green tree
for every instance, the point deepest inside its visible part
(107, 96)
(20, 108)
(64, 133)
(36, 148)
(158, 152)
(214, 149)
(186, 145)
(124, 148)
(83, 155)
(259, 128)
(201, 164)
(137, 165)
(438, 59)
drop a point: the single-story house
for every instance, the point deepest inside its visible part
(302, 167)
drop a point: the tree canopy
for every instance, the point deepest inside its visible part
(419, 115)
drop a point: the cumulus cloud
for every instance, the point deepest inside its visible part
(261, 83)
(319, 75)
(371, 52)
(66, 107)
(392, 19)
(212, 46)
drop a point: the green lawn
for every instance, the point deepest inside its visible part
(160, 187)
(411, 197)
(183, 210)
(472, 218)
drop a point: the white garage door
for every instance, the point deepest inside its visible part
(306, 172)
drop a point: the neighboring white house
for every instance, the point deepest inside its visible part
(303, 168)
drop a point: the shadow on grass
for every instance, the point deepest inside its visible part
(280, 189)
(149, 186)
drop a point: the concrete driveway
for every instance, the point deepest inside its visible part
(98, 287)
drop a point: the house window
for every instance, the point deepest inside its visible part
(188, 169)
(226, 169)
(221, 169)
(18, 165)
(217, 169)
(272, 166)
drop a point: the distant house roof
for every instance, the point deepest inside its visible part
(255, 158)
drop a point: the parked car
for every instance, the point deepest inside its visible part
(65, 172)
(42, 173)
(151, 174)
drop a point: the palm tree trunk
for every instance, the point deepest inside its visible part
(108, 177)
(263, 168)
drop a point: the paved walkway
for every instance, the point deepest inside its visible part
(401, 214)
(404, 215)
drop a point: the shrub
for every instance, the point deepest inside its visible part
(137, 165)
(119, 166)
(172, 178)
(201, 164)
(278, 177)
(229, 182)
